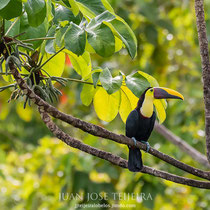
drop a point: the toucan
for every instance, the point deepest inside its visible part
(141, 120)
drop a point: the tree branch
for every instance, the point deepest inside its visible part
(116, 160)
(204, 53)
(99, 131)
(195, 154)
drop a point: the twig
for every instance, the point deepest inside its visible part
(51, 57)
(203, 43)
(195, 154)
(38, 39)
(116, 160)
(99, 131)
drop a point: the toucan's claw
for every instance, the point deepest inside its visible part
(134, 140)
(148, 145)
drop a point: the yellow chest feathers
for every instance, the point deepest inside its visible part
(147, 106)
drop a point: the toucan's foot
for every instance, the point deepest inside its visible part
(148, 145)
(134, 140)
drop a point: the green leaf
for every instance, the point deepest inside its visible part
(105, 16)
(3, 3)
(95, 6)
(66, 3)
(60, 34)
(110, 84)
(63, 13)
(11, 10)
(36, 10)
(106, 106)
(50, 44)
(81, 64)
(95, 76)
(32, 32)
(153, 82)
(87, 94)
(49, 7)
(137, 83)
(101, 39)
(15, 29)
(74, 7)
(75, 39)
(121, 29)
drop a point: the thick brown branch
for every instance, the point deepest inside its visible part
(99, 131)
(204, 53)
(195, 154)
(116, 160)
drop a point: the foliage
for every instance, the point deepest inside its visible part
(101, 70)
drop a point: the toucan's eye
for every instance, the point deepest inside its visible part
(151, 90)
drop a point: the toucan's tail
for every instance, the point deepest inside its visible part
(135, 160)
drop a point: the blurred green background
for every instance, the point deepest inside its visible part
(36, 168)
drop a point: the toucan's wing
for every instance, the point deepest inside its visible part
(152, 123)
(132, 124)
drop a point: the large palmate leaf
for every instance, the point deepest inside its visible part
(110, 84)
(100, 36)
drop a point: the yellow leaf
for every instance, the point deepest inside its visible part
(160, 110)
(106, 106)
(87, 94)
(81, 64)
(74, 7)
(108, 6)
(24, 114)
(128, 102)
(153, 82)
(118, 44)
(87, 13)
(55, 66)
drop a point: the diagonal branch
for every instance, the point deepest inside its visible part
(116, 160)
(204, 53)
(195, 154)
(99, 131)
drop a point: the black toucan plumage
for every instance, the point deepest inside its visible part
(141, 120)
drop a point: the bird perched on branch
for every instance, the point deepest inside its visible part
(141, 120)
